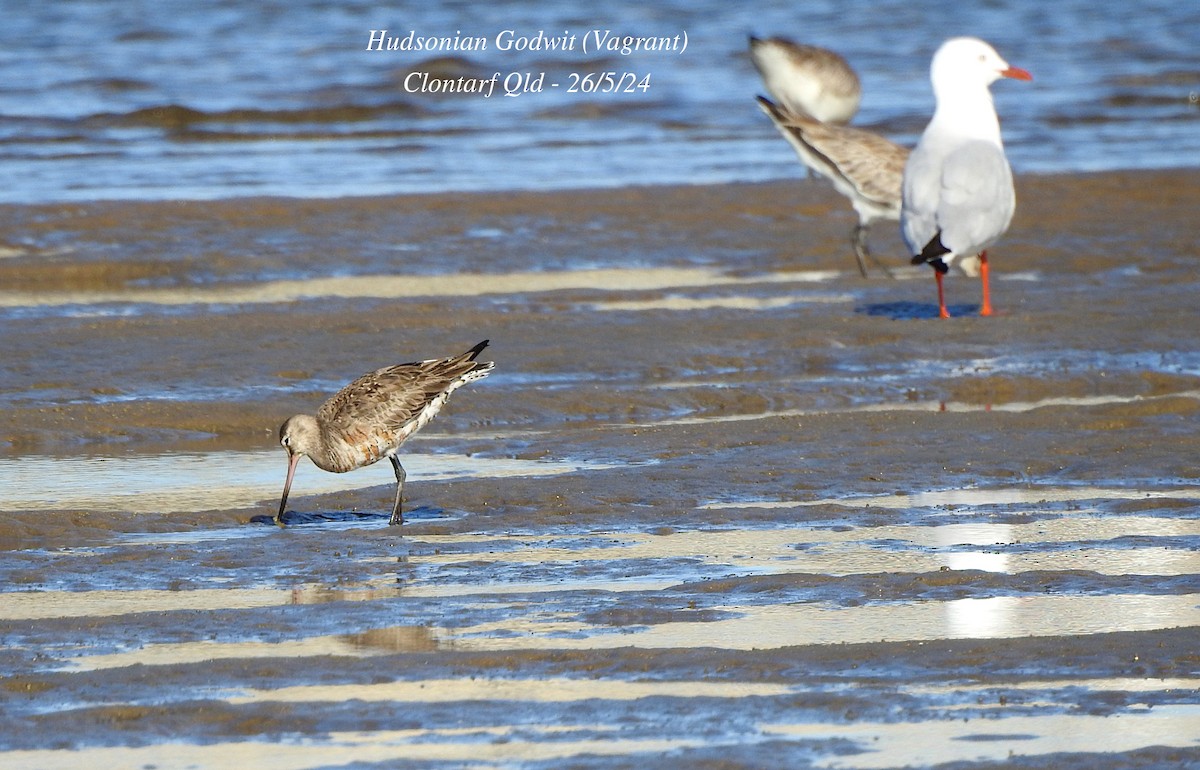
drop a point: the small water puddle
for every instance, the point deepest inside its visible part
(921, 406)
(178, 483)
(736, 302)
(684, 555)
(40, 605)
(374, 642)
(975, 497)
(902, 744)
(408, 286)
(765, 627)
(485, 746)
(880, 744)
(548, 690)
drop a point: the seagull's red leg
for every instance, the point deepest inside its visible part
(942, 311)
(986, 308)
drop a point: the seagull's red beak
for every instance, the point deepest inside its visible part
(1016, 73)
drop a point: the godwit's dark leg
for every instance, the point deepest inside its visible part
(397, 516)
(986, 308)
(863, 252)
(858, 239)
(942, 311)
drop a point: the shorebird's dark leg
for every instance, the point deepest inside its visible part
(862, 252)
(397, 516)
(858, 238)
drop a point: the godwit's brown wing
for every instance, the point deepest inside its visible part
(391, 398)
(872, 164)
(864, 166)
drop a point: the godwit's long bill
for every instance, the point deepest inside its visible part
(371, 417)
(863, 166)
(958, 196)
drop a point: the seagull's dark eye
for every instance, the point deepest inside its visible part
(285, 440)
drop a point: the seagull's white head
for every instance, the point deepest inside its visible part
(964, 63)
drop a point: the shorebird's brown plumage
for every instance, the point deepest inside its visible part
(806, 79)
(863, 166)
(371, 417)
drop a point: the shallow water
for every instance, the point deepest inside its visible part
(891, 745)
(678, 589)
(878, 745)
(722, 500)
(216, 101)
(408, 286)
(180, 482)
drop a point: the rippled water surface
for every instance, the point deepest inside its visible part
(212, 100)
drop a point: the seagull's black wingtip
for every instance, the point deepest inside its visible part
(932, 253)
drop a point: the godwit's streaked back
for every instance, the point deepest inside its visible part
(806, 79)
(864, 167)
(371, 417)
(958, 196)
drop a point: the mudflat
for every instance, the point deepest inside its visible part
(723, 502)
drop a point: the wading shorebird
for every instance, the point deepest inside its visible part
(807, 80)
(958, 196)
(863, 166)
(371, 417)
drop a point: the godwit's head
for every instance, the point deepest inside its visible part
(298, 436)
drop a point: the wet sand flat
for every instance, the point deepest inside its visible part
(723, 503)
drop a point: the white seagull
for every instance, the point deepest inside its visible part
(958, 196)
(863, 166)
(807, 80)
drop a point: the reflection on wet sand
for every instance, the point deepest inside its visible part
(379, 641)
(1024, 406)
(721, 303)
(37, 605)
(407, 286)
(222, 480)
(924, 406)
(1115, 684)
(880, 744)
(887, 745)
(500, 570)
(533, 690)
(822, 550)
(504, 745)
(739, 627)
(759, 627)
(1032, 494)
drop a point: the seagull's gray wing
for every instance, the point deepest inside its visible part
(977, 198)
(921, 194)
